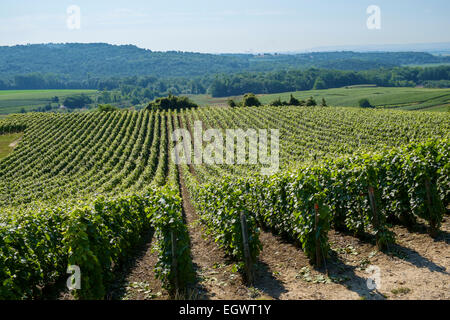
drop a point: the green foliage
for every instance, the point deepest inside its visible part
(102, 66)
(231, 103)
(12, 125)
(276, 103)
(364, 103)
(107, 108)
(319, 84)
(311, 102)
(66, 223)
(250, 100)
(294, 102)
(79, 101)
(167, 219)
(171, 103)
(148, 74)
(102, 172)
(220, 210)
(39, 244)
(286, 203)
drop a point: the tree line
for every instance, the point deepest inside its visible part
(140, 88)
(317, 79)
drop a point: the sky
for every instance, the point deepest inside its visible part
(225, 26)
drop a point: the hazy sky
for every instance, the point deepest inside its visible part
(225, 26)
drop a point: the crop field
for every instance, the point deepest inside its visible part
(104, 191)
(12, 101)
(398, 98)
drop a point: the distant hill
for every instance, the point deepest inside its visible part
(99, 60)
(435, 48)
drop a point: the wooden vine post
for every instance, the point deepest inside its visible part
(174, 259)
(433, 229)
(247, 255)
(317, 237)
(375, 221)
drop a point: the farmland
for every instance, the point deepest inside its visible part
(398, 98)
(87, 189)
(12, 101)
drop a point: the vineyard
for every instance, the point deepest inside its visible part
(84, 188)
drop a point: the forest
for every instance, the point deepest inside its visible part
(149, 74)
(223, 85)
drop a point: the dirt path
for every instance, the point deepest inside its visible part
(15, 143)
(417, 267)
(136, 280)
(215, 276)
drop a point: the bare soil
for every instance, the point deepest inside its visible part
(136, 280)
(15, 143)
(417, 267)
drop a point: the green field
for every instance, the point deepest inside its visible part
(399, 98)
(12, 101)
(5, 142)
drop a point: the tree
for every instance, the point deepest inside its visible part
(231, 103)
(250, 100)
(106, 108)
(105, 97)
(311, 102)
(80, 101)
(293, 101)
(364, 103)
(277, 102)
(319, 84)
(171, 103)
(148, 93)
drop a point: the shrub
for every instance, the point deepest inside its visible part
(106, 108)
(277, 103)
(79, 101)
(294, 102)
(364, 103)
(231, 103)
(311, 102)
(171, 102)
(250, 100)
